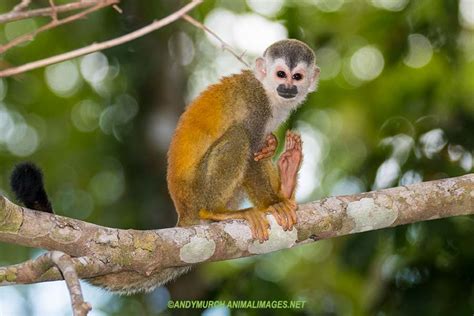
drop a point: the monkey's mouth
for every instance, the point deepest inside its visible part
(287, 93)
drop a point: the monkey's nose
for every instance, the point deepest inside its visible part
(287, 92)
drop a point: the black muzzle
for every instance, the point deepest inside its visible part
(287, 93)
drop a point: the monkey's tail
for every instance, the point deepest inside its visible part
(26, 182)
(129, 282)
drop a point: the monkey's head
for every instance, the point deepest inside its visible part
(288, 71)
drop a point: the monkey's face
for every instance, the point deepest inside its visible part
(287, 83)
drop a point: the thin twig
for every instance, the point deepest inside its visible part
(21, 15)
(117, 8)
(54, 23)
(101, 46)
(22, 5)
(224, 45)
(66, 266)
(59, 262)
(54, 11)
(41, 269)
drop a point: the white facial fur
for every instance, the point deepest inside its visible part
(266, 72)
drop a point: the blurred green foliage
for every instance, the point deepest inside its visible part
(395, 106)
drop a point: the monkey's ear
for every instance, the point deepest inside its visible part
(260, 69)
(314, 81)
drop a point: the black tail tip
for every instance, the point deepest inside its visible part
(26, 182)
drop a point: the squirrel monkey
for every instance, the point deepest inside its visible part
(223, 140)
(222, 146)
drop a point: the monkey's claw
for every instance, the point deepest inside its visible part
(271, 144)
(284, 213)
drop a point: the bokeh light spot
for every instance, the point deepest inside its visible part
(390, 5)
(387, 173)
(23, 140)
(181, 47)
(63, 79)
(466, 13)
(420, 51)
(107, 186)
(367, 63)
(432, 142)
(266, 7)
(329, 5)
(85, 115)
(329, 60)
(94, 67)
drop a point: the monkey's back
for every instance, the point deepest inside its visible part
(205, 120)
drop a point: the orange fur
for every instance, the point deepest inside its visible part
(202, 123)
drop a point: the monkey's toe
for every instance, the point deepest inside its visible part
(284, 213)
(258, 224)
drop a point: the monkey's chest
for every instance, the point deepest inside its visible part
(279, 115)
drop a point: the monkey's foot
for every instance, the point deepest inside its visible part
(289, 163)
(256, 218)
(271, 144)
(284, 213)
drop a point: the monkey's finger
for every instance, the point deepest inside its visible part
(259, 227)
(265, 150)
(291, 141)
(271, 139)
(264, 225)
(262, 156)
(285, 223)
(276, 214)
(291, 211)
(299, 143)
(253, 227)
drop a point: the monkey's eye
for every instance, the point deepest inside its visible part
(297, 76)
(281, 74)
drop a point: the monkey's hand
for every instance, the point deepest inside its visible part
(289, 164)
(271, 144)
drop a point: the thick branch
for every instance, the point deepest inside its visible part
(150, 251)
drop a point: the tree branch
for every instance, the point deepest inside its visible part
(63, 266)
(105, 250)
(55, 22)
(101, 46)
(22, 5)
(18, 14)
(66, 266)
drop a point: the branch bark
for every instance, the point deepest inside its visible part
(101, 250)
